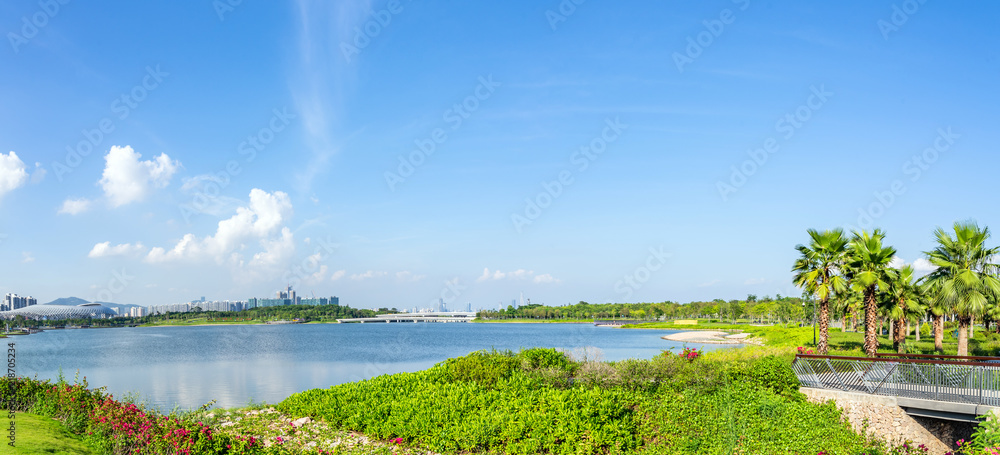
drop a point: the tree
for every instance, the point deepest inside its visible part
(869, 272)
(902, 301)
(818, 272)
(965, 279)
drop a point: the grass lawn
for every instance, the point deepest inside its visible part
(844, 343)
(42, 435)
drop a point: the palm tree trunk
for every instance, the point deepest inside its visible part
(824, 327)
(871, 321)
(939, 333)
(963, 334)
(920, 325)
(900, 340)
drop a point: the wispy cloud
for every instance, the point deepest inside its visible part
(322, 76)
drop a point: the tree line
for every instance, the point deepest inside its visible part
(780, 309)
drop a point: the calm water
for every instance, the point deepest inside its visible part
(189, 366)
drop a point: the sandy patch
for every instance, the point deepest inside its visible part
(710, 337)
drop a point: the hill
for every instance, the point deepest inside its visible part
(67, 301)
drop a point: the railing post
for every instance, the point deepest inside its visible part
(937, 381)
(982, 371)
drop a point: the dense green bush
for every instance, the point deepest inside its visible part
(500, 402)
(511, 415)
(769, 373)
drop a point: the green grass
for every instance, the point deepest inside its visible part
(42, 435)
(842, 343)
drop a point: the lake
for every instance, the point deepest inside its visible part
(186, 367)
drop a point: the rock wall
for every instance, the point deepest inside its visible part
(887, 421)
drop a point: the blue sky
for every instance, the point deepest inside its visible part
(591, 151)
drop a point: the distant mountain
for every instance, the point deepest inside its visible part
(121, 307)
(73, 301)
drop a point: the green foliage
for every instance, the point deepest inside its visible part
(738, 401)
(512, 415)
(768, 373)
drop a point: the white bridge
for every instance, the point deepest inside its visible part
(434, 316)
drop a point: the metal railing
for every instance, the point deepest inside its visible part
(972, 380)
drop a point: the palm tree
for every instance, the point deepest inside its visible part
(818, 272)
(869, 271)
(901, 303)
(965, 280)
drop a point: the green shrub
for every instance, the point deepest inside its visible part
(770, 373)
(483, 367)
(538, 358)
(510, 416)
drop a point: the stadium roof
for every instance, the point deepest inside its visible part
(89, 310)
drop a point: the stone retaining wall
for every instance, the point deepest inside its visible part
(887, 421)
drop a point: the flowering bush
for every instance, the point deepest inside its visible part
(690, 354)
(804, 350)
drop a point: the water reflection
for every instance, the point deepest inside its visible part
(188, 366)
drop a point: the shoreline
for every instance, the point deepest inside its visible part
(710, 337)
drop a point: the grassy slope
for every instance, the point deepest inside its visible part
(841, 343)
(42, 435)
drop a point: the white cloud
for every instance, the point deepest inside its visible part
(367, 275)
(124, 249)
(27, 257)
(75, 206)
(497, 275)
(709, 284)
(312, 263)
(753, 281)
(260, 221)
(338, 275)
(922, 265)
(546, 278)
(260, 226)
(126, 179)
(406, 275)
(12, 173)
(519, 274)
(39, 174)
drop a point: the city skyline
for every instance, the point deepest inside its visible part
(411, 152)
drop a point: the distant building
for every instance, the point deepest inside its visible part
(13, 302)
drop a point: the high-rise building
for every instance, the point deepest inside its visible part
(440, 306)
(14, 301)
